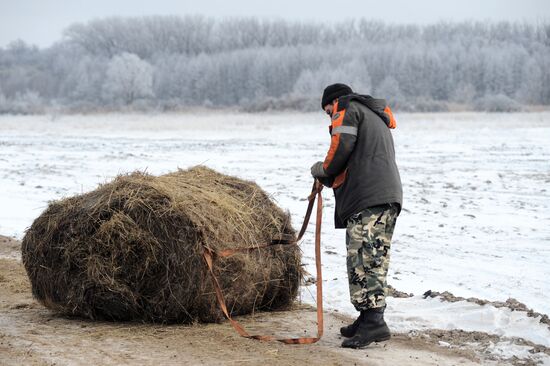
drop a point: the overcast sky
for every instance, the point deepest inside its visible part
(41, 22)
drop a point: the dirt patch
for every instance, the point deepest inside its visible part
(511, 304)
(9, 248)
(482, 343)
(30, 334)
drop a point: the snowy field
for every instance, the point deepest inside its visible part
(476, 218)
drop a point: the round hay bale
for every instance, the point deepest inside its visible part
(133, 249)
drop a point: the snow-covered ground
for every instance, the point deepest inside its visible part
(476, 218)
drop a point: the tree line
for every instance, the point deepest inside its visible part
(172, 63)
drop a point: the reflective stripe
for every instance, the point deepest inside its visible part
(345, 129)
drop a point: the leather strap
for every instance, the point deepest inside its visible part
(210, 255)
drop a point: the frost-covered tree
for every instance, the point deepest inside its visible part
(128, 78)
(3, 103)
(357, 75)
(464, 92)
(532, 83)
(175, 61)
(389, 89)
(83, 82)
(28, 102)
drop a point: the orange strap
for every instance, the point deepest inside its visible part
(209, 256)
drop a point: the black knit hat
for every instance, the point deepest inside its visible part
(334, 91)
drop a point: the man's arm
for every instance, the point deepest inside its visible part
(345, 125)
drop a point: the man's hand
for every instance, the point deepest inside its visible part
(318, 171)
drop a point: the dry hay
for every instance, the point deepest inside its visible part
(132, 249)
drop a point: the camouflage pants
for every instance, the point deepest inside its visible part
(368, 237)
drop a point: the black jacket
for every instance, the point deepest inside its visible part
(361, 160)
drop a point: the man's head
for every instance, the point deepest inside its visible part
(331, 93)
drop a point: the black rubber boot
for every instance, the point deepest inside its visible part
(349, 330)
(371, 328)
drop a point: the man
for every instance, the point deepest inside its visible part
(360, 167)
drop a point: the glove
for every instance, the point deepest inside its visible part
(318, 171)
